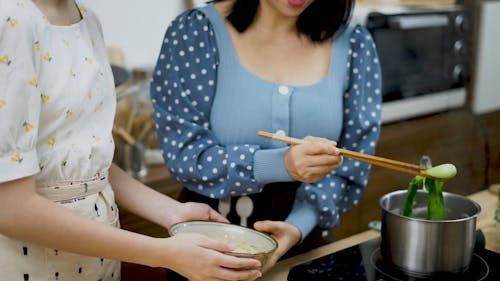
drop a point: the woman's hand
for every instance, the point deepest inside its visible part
(200, 258)
(195, 211)
(312, 160)
(286, 235)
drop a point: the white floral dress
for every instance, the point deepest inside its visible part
(57, 107)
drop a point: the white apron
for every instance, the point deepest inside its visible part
(93, 199)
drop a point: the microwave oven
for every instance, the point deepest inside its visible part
(424, 55)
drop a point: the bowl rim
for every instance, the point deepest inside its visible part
(245, 228)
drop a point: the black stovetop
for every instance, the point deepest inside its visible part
(363, 262)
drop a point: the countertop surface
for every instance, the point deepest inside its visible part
(487, 199)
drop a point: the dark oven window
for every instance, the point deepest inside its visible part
(417, 60)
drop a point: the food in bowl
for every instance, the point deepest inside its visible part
(245, 248)
(248, 242)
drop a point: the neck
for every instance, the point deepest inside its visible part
(59, 12)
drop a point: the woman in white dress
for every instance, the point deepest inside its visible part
(58, 218)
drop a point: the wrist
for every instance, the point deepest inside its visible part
(139, 249)
(170, 213)
(157, 255)
(171, 254)
(296, 235)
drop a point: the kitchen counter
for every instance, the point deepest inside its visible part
(487, 199)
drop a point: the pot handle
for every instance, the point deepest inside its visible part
(480, 240)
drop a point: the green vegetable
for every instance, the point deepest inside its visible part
(444, 171)
(415, 183)
(435, 206)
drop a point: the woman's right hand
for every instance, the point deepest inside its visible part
(313, 159)
(200, 258)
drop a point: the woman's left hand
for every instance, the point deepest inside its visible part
(195, 211)
(286, 235)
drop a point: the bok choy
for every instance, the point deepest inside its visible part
(435, 206)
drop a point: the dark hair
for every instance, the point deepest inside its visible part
(319, 21)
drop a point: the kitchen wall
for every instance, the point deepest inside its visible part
(136, 26)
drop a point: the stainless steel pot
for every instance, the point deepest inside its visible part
(419, 246)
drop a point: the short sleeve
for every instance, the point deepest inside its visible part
(20, 99)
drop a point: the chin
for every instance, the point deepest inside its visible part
(295, 7)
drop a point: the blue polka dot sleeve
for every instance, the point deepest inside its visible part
(342, 189)
(182, 92)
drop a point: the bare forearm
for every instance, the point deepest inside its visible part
(141, 200)
(26, 216)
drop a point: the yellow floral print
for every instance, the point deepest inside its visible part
(51, 141)
(33, 82)
(37, 46)
(45, 98)
(12, 22)
(47, 57)
(16, 158)
(28, 126)
(82, 9)
(5, 60)
(46, 95)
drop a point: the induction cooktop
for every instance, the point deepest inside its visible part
(363, 262)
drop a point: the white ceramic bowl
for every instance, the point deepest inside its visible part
(249, 243)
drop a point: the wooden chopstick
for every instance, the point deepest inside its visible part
(375, 160)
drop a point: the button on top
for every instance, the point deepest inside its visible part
(283, 90)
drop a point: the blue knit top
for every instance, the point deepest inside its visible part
(208, 109)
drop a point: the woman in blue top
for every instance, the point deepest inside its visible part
(292, 67)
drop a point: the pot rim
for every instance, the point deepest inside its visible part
(449, 194)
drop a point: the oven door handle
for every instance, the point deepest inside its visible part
(418, 21)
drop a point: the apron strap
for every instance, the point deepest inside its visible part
(70, 190)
